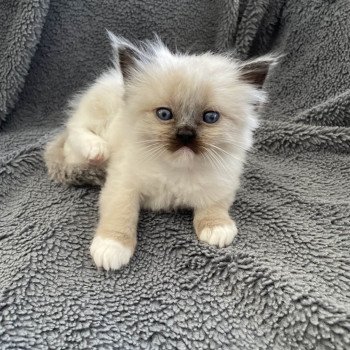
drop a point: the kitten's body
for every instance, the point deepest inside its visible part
(113, 126)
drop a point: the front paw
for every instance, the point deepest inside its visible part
(109, 253)
(96, 152)
(219, 235)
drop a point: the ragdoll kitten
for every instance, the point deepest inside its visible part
(171, 130)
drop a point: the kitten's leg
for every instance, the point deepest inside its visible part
(67, 167)
(92, 114)
(115, 239)
(214, 225)
(78, 155)
(83, 145)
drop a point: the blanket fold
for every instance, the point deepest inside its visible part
(20, 30)
(285, 281)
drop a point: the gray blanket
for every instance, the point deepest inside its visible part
(285, 281)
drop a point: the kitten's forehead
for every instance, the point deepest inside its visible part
(196, 73)
(186, 89)
(190, 82)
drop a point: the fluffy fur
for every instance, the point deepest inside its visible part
(113, 126)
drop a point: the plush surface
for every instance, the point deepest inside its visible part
(285, 281)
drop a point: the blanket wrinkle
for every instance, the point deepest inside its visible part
(20, 31)
(283, 284)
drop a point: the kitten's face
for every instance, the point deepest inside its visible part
(192, 108)
(184, 109)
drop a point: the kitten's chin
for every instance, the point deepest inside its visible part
(183, 157)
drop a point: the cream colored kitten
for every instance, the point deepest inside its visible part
(171, 130)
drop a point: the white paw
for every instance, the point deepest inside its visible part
(109, 254)
(220, 236)
(96, 151)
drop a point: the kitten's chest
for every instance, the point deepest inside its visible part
(165, 191)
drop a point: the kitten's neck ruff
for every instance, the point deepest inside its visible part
(186, 162)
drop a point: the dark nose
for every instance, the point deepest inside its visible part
(186, 135)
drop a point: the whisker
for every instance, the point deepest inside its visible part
(149, 147)
(153, 152)
(157, 154)
(220, 149)
(251, 149)
(211, 146)
(149, 143)
(236, 144)
(207, 157)
(217, 165)
(220, 161)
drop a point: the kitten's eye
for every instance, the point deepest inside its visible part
(164, 114)
(211, 117)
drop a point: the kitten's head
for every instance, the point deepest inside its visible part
(186, 108)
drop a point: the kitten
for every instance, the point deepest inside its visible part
(171, 130)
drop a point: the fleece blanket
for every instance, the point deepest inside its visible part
(284, 283)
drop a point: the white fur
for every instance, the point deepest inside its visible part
(220, 236)
(92, 114)
(109, 253)
(104, 126)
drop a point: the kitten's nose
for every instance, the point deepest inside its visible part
(185, 135)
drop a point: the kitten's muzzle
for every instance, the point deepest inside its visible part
(186, 135)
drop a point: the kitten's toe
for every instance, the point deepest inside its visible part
(220, 236)
(97, 152)
(109, 253)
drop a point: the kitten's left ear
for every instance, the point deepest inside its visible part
(125, 54)
(255, 71)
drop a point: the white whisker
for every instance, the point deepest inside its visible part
(153, 152)
(212, 147)
(220, 160)
(217, 165)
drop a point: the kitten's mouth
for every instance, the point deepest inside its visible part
(184, 155)
(177, 147)
(185, 149)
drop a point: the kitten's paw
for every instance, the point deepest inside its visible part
(109, 254)
(220, 236)
(96, 151)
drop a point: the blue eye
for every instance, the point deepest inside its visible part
(164, 114)
(211, 117)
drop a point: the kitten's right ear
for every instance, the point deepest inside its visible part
(125, 54)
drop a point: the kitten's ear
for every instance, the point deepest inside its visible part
(255, 71)
(125, 54)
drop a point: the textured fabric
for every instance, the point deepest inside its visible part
(285, 281)
(20, 29)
